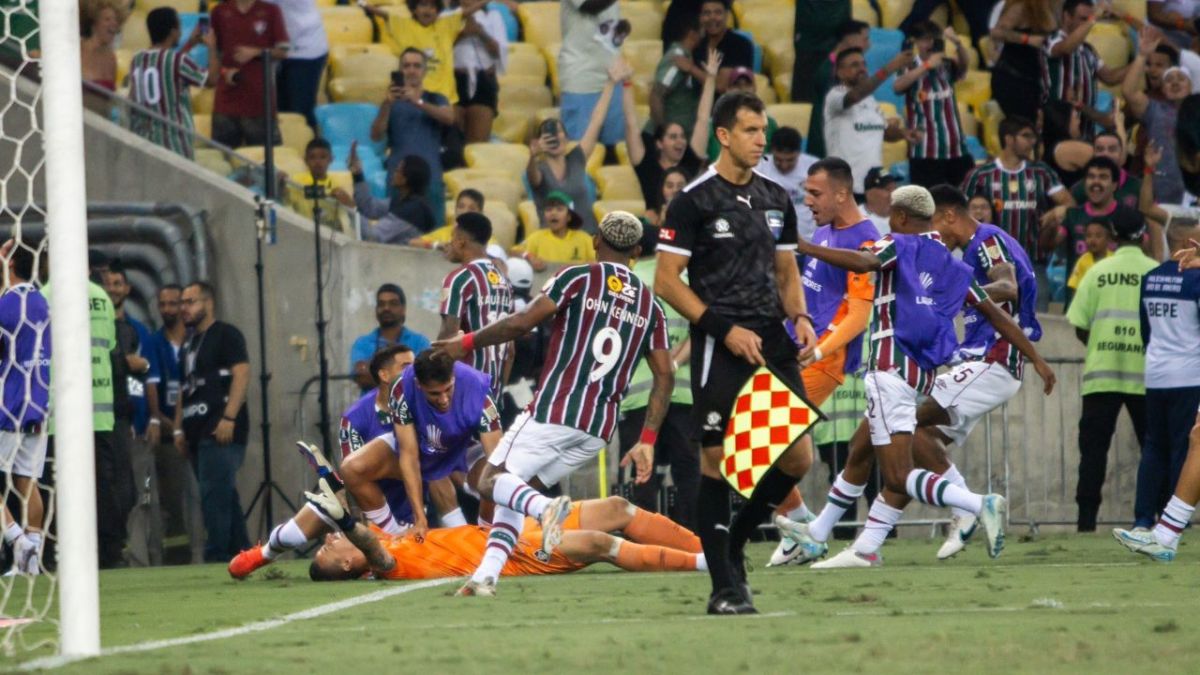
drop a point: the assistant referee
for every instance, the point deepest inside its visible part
(735, 233)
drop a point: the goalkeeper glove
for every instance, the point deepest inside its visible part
(313, 455)
(325, 501)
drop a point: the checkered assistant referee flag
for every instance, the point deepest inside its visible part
(767, 417)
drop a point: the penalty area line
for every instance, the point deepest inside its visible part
(237, 631)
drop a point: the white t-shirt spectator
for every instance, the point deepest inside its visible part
(304, 27)
(1190, 61)
(1188, 9)
(471, 55)
(793, 182)
(588, 47)
(882, 223)
(855, 134)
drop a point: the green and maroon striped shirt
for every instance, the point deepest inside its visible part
(1019, 197)
(479, 295)
(1073, 74)
(159, 80)
(930, 105)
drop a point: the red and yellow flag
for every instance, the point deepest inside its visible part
(767, 417)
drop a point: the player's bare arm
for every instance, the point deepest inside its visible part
(507, 329)
(743, 342)
(325, 501)
(1003, 286)
(858, 262)
(663, 373)
(410, 472)
(787, 277)
(449, 327)
(1011, 331)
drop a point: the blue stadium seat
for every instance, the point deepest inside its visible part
(341, 123)
(1056, 274)
(1104, 101)
(758, 52)
(975, 147)
(371, 160)
(187, 24)
(511, 24)
(379, 183)
(900, 171)
(889, 39)
(877, 57)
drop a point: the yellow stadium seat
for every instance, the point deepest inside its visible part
(762, 87)
(892, 12)
(783, 87)
(972, 55)
(540, 22)
(346, 25)
(181, 6)
(1136, 8)
(974, 89)
(508, 191)
(527, 63)
(295, 131)
(643, 55)
(1111, 42)
(512, 126)
(357, 90)
(528, 215)
(992, 115)
(780, 57)
(594, 160)
(326, 3)
(770, 22)
(364, 65)
(202, 100)
(504, 222)
(457, 179)
(604, 207)
(794, 115)
(863, 11)
(641, 91)
(341, 51)
(990, 53)
(547, 113)
(509, 157)
(124, 59)
(617, 182)
(213, 160)
(970, 123)
(134, 34)
(202, 124)
(894, 153)
(527, 96)
(286, 159)
(645, 20)
(622, 153)
(550, 54)
(522, 82)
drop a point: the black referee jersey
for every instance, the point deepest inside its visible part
(730, 234)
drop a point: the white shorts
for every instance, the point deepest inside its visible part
(549, 451)
(970, 391)
(23, 454)
(891, 406)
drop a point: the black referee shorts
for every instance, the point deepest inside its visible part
(718, 376)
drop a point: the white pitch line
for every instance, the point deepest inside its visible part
(1005, 610)
(246, 629)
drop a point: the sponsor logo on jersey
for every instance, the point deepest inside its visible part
(615, 284)
(492, 277)
(260, 27)
(775, 222)
(745, 199)
(926, 279)
(433, 437)
(721, 227)
(713, 421)
(542, 556)
(666, 235)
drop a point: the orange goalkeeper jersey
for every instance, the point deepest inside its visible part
(457, 551)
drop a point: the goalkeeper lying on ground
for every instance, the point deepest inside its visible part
(353, 550)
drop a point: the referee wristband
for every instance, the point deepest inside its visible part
(649, 437)
(468, 341)
(714, 324)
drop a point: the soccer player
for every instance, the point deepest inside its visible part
(475, 295)
(439, 410)
(605, 320)
(919, 290)
(159, 78)
(25, 382)
(735, 233)
(840, 303)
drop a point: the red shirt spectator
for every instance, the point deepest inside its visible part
(243, 30)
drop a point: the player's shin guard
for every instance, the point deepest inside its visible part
(1174, 518)
(454, 518)
(506, 530)
(383, 519)
(929, 488)
(956, 478)
(771, 490)
(652, 528)
(841, 497)
(283, 538)
(644, 558)
(712, 519)
(514, 493)
(880, 521)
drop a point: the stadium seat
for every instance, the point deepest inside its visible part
(540, 22)
(508, 191)
(975, 89)
(295, 131)
(543, 114)
(341, 51)
(970, 123)
(357, 90)
(457, 179)
(972, 55)
(213, 160)
(780, 57)
(526, 63)
(1111, 42)
(975, 147)
(512, 27)
(1137, 8)
(794, 115)
(617, 182)
(894, 152)
(992, 115)
(202, 99)
(530, 96)
(643, 55)
(863, 11)
(528, 216)
(887, 40)
(604, 207)
(645, 20)
(783, 87)
(504, 222)
(134, 34)
(124, 59)
(202, 124)
(181, 6)
(286, 159)
(550, 54)
(364, 65)
(622, 150)
(762, 87)
(346, 25)
(758, 51)
(508, 157)
(769, 22)
(594, 160)
(512, 126)
(989, 51)
(641, 90)
(343, 123)
(892, 12)
(1104, 101)
(522, 82)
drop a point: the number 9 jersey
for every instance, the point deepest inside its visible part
(607, 320)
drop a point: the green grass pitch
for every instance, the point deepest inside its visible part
(1054, 604)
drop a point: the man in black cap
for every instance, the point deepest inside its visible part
(877, 203)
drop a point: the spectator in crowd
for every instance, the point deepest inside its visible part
(788, 166)
(592, 34)
(391, 310)
(816, 32)
(25, 386)
(469, 200)
(1187, 143)
(977, 15)
(1022, 30)
(671, 149)
(851, 34)
(561, 239)
(99, 23)
(407, 214)
(159, 79)
(1075, 68)
(981, 209)
(318, 155)
(211, 422)
(741, 80)
(552, 168)
(1097, 239)
(736, 50)
(1129, 187)
(927, 83)
(674, 95)
(412, 120)
(480, 57)
(1159, 116)
(855, 128)
(529, 349)
(877, 200)
(1021, 188)
(1104, 314)
(1179, 19)
(1101, 175)
(431, 32)
(673, 182)
(300, 73)
(179, 493)
(145, 519)
(1170, 318)
(675, 446)
(244, 29)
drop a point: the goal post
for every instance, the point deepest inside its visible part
(71, 368)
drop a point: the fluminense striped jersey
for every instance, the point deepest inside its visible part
(1074, 75)
(159, 80)
(607, 320)
(930, 105)
(885, 354)
(479, 295)
(1019, 196)
(993, 251)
